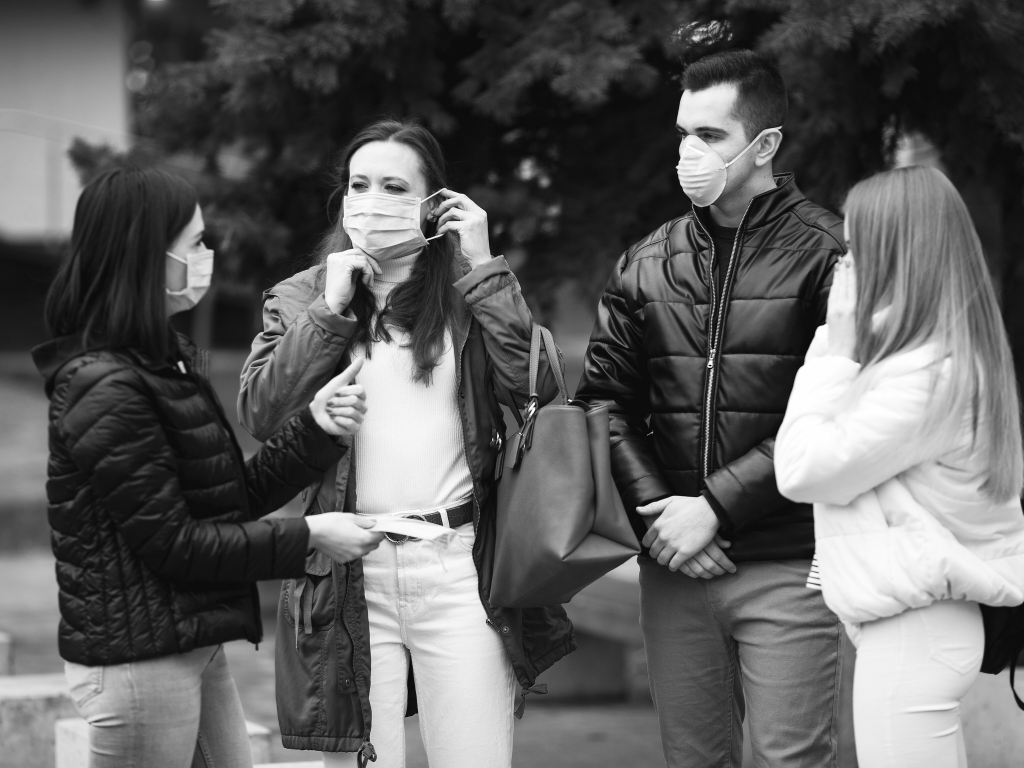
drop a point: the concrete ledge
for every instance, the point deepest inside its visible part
(29, 707)
(72, 743)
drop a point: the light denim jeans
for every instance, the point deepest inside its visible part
(757, 643)
(179, 711)
(424, 607)
(912, 671)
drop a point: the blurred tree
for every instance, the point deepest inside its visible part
(557, 115)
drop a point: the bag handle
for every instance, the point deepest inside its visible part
(542, 333)
(506, 399)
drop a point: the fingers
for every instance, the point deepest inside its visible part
(347, 376)
(363, 521)
(452, 214)
(453, 200)
(454, 225)
(665, 556)
(650, 538)
(709, 565)
(348, 401)
(655, 507)
(685, 569)
(715, 554)
(677, 561)
(722, 542)
(699, 571)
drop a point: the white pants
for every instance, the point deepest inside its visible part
(912, 670)
(426, 608)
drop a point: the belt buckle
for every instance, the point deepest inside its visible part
(401, 539)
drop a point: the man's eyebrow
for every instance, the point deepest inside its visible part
(701, 129)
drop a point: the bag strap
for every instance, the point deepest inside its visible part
(541, 333)
(1013, 673)
(506, 399)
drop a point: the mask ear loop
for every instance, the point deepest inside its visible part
(756, 139)
(428, 239)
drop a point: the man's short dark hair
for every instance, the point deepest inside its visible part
(761, 102)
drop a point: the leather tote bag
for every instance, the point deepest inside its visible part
(560, 524)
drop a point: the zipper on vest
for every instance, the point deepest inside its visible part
(715, 341)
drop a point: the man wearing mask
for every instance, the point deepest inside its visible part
(701, 330)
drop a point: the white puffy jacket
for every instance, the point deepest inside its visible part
(899, 517)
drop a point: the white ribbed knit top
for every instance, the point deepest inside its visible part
(410, 451)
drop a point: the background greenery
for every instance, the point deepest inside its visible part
(557, 115)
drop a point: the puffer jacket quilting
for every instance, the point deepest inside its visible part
(900, 519)
(696, 386)
(153, 509)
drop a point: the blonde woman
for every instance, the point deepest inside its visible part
(903, 429)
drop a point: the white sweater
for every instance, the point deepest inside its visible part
(410, 451)
(899, 518)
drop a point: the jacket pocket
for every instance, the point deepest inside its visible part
(310, 602)
(84, 683)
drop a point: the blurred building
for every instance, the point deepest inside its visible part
(63, 65)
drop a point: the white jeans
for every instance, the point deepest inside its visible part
(424, 605)
(912, 670)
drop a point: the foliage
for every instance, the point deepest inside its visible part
(557, 115)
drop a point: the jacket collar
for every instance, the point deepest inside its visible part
(51, 356)
(766, 206)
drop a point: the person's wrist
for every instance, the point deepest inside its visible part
(337, 306)
(315, 531)
(320, 417)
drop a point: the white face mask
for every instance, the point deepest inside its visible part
(702, 172)
(385, 226)
(198, 273)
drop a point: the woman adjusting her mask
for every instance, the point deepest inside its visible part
(406, 283)
(903, 429)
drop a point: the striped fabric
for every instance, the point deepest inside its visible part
(814, 577)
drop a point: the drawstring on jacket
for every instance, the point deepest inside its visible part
(302, 607)
(541, 690)
(366, 754)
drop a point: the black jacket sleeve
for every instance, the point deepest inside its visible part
(115, 438)
(295, 456)
(615, 375)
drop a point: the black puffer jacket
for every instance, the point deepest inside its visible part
(697, 387)
(153, 508)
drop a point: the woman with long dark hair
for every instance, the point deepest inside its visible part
(406, 282)
(903, 429)
(152, 506)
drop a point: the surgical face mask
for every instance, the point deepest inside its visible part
(385, 226)
(702, 172)
(198, 273)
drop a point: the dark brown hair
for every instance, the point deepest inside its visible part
(424, 305)
(111, 288)
(761, 101)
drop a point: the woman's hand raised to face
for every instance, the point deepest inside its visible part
(344, 269)
(458, 214)
(842, 310)
(342, 536)
(340, 405)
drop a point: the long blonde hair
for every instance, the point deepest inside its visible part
(917, 253)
